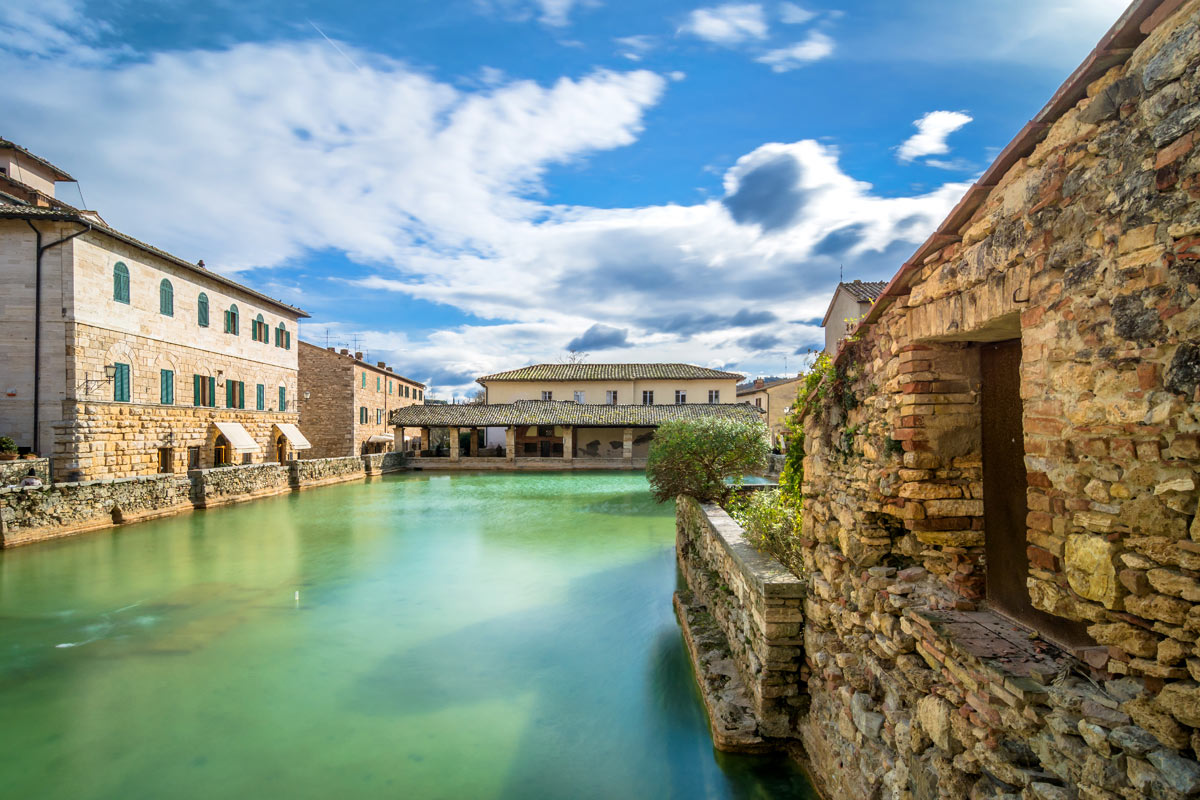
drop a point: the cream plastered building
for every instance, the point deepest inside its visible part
(124, 360)
(612, 384)
(850, 303)
(775, 398)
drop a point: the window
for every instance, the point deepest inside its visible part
(235, 394)
(545, 430)
(202, 310)
(231, 320)
(648, 398)
(166, 298)
(714, 395)
(260, 397)
(121, 383)
(758, 402)
(420, 394)
(610, 398)
(121, 283)
(258, 329)
(406, 391)
(379, 416)
(389, 386)
(204, 391)
(680, 396)
(165, 457)
(283, 398)
(364, 380)
(283, 337)
(579, 397)
(378, 383)
(547, 395)
(193, 458)
(166, 387)
(362, 415)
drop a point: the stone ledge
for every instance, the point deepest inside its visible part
(767, 575)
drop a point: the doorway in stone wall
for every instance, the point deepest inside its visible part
(1005, 504)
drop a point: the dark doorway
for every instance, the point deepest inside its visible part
(221, 452)
(1005, 506)
(546, 449)
(281, 449)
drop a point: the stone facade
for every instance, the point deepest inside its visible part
(775, 397)
(38, 513)
(745, 606)
(382, 463)
(323, 471)
(335, 389)
(1083, 251)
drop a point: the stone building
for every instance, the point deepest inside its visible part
(775, 396)
(612, 384)
(1000, 491)
(345, 402)
(849, 304)
(124, 360)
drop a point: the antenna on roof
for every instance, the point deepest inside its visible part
(840, 273)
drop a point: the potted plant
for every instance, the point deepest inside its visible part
(8, 449)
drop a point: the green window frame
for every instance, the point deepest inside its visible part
(378, 383)
(202, 310)
(389, 385)
(283, 337)
(283, 398)
(121, 283)
(231, 319)
(166, 298)
(166, 387)
(204, 391)
(364, 380)
(362, 415)
(260, 397)
(258, 331)
(121, 392)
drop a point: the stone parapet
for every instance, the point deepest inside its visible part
(756, 604)
(234, 484)
(381, 463)
(38, 513)
(13, 472)
(307, 473)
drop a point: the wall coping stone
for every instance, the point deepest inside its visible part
(769, 577)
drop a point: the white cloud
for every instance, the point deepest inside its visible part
(257, 155)
(635, 47)
(792, 14)
(932, 131)
(814, 48)
(556, 12)
(729, 24)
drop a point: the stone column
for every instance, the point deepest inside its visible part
(627, 452)
(454, 444)
(473, 445)
(568, 442)
(424, 439)
(510, 443)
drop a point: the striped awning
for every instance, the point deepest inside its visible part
(239, 438)
(293, 435)
(381, 438)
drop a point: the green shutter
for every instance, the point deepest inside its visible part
(241, 394)
(229, 401)
(261, 396)
(202, 310)
(121, 283)
(166, 387)
(196, 390)
(287, 337)
(283, 398)
(121, 383)
(212, 392)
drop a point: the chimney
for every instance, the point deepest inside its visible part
(344, 351)
(331, 349)
(389, 369)
(379, 364)
(358, 356)
(758, 383)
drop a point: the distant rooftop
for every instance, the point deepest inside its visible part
(610, 372)
(59, 174)
(750, 387)
(862, 291)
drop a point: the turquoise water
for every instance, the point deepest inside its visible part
(466, 636)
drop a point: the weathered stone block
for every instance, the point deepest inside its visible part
(1091, 569)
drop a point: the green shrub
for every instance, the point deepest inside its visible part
(7, 445)
(694, 457)
(771, 525)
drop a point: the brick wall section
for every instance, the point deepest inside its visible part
(224, 485)
(12, 472)
(381, 463)
(322, 471)
(1087, 251)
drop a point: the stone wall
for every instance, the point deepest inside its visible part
(37, 513)
(223, 485)
(745, 607)
(321, 471)
(13, 472)
(1086, 251)
(380, 463)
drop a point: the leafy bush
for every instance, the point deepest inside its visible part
(7, 445)
(694, 457)
(770, 522)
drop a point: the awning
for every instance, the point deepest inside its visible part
(239, 438)
(381, 438)
(293, 435)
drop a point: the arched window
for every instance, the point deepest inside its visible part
(283, 337)
(231, 320)
(202, 310)
(166, 298)
(259, 329)
(121, 283)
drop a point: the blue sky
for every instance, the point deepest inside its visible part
(466, 186)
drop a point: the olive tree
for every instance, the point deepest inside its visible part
(694, 457)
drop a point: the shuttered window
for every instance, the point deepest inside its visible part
(364, 380)
(260, 397)
(389, 386)
(166, 387)
(378, 382)
(258, 329)
(121, 383)
(235, 394)
(362, 415)
(166, 298)
(204, 391)
(231, 320)
(202, 310)
(283, 337)
(283, 398)
(121, 283)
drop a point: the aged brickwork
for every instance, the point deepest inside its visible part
(322, 471)
(14, 471)
(1084, 255)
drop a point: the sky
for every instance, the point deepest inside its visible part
(459, 187)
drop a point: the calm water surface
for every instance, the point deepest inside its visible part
(474, 636)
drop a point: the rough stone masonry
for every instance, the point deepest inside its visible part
(1086, 251)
